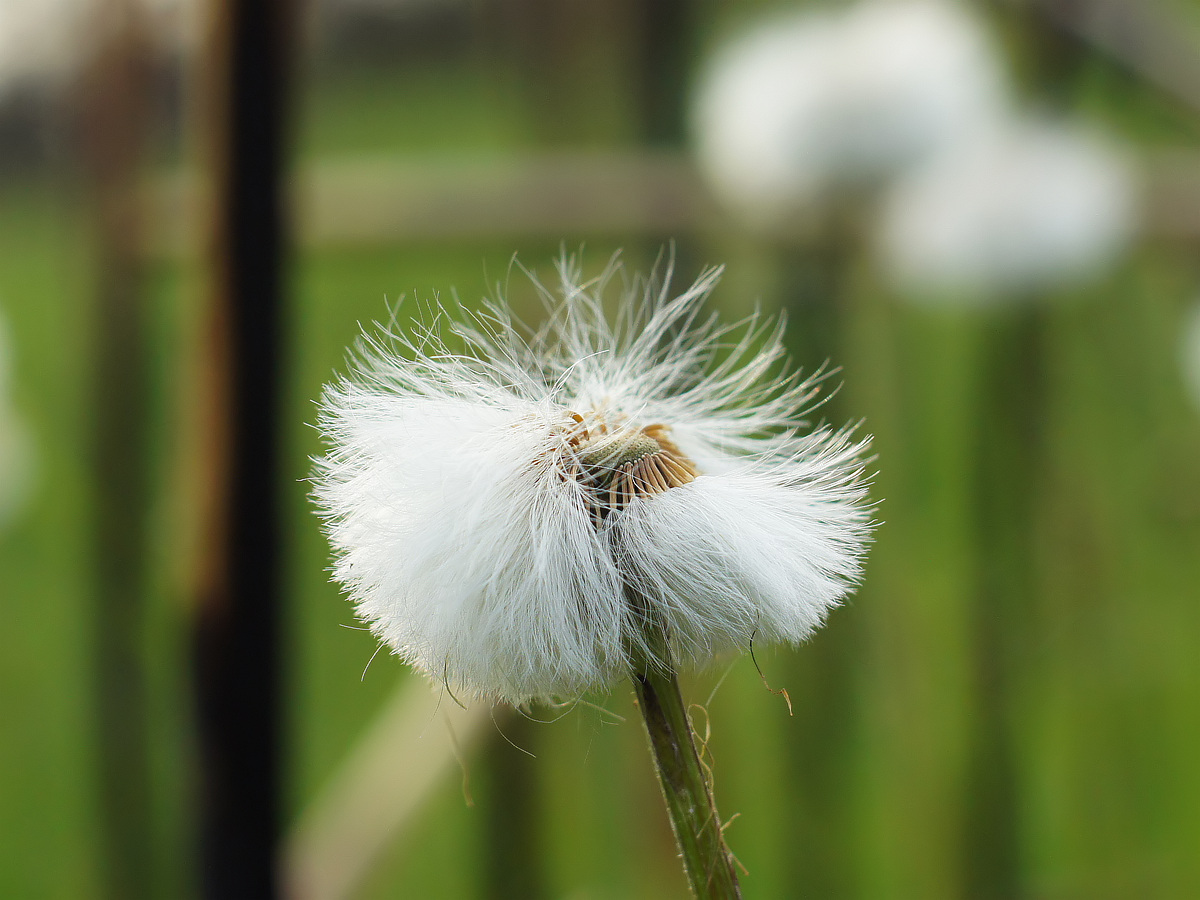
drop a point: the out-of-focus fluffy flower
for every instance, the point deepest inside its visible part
(507, 518)
(43, 42)
(47, 46)
(1191, 354)
(39, 40)
(1033, 207)
(16, 447)
(809, 103)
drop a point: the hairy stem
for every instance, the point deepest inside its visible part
(694, 819)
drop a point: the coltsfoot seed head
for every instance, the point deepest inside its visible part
(491, 510)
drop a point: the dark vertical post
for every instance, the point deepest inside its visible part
(237, 645)
(113, 125)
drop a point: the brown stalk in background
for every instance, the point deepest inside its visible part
(113, 129)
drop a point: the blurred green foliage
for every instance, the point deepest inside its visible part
(1009, 707)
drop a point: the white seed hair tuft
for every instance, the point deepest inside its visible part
(491, 509)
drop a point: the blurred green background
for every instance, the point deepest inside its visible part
(1008, 707)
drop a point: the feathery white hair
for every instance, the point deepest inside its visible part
(493, 510)
(813, 101)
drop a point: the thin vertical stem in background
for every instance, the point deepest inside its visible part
(819, 742)
(114, 100)
(1009, 459)
(664, 29)
(237, 644)
(514, 856)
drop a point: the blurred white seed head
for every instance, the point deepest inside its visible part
(1190, 348)
(39, 41)
(43, 43)
(808, 103)
(1028, 208)
(494, 509)
(16, 445)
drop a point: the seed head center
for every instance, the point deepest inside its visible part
(612, 452)
(617, 466)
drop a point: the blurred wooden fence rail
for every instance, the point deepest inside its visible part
(371, 202)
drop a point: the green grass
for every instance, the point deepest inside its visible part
(45, 791)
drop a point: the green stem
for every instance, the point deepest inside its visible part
(694, 819)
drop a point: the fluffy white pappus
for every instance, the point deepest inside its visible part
(509, 507)
(810, 103)
(1030, 208)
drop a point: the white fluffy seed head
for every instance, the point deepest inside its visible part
(807, 104)
(1026, 208)
(493, 508)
